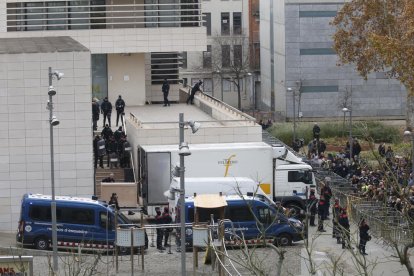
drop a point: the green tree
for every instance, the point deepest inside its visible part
(377, 36)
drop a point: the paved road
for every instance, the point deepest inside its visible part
(325, 251)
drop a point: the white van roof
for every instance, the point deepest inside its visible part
(63, 198)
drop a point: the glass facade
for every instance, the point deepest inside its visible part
(99, 76)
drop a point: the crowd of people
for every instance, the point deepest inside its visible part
(391, 183)
(114, 145)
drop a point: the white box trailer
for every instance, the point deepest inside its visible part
(282, 175)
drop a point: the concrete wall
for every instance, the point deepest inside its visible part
(126, 77)
(24, 123)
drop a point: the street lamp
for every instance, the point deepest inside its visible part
(410, 134)
(351, 141)
(184, 151)
(291, 90)
(53, 121)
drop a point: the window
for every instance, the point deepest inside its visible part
(63, 215)
(207, 22)
(300, 176)
(207, 57)
(78, 15)
(265, 215)
(204, 214)
(237, 55)
(56, 10)
(34, 16)
(239, 213)
(225, 23)
(226, 85)
(237, 23)
(208, 86)
(184, 60)
(225, 56)
(105, 221)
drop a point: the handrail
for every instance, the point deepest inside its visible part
(130, 154)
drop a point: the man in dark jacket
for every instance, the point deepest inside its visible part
(316, 131)
(321, 213)
(194, 90)
(120, 109)
(95, 113)
(160, 231)
(106, 132)
(165, 90)
(312, 207)
(336, 211)
(345, 229)
(106, 110)
(98, 153)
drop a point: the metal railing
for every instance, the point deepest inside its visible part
(72, 16)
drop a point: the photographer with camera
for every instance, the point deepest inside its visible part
(364, 237)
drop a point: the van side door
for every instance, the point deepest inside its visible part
(243, 221)
(269, 220)
(77, 223)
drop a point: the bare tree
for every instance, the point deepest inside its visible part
(230, 60)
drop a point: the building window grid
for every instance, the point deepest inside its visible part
(207, 62)
(225, 56)
(92, 14)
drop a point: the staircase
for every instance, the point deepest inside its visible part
(104, 173)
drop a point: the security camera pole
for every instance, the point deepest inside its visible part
(52, 122)
(183, 151)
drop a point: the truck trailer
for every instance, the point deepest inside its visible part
(282, 175)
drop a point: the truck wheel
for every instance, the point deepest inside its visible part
(283, 239)
(294, 210)
(41, 243)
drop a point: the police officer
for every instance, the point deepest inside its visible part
(95, 113)
(165, 90)
(345, 229)
(160, 231)
(336, 211)
(106, 132)
(99, 150)
(120, 108)
(106, 110)
(363, 236)
(312, 205)
(321, 213)
(194, 90)
(166, 220)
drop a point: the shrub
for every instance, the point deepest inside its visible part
(377, 131)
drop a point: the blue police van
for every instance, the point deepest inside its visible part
(243, 214)
(81, 222)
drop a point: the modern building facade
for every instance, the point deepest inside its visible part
(296, 53)
(233, 34)
(105, 48)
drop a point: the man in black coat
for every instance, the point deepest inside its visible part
(316, 131)
(165, 90)
(120, 109)
(95, 113)
(106, 132)
(106, 110)
(194, 90)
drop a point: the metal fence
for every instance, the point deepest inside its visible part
(385, 223)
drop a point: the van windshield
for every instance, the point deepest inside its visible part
(122, 219)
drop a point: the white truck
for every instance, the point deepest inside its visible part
(282, 175)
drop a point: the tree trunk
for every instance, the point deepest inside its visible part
(407, 262)
(238, 94)
(410, 110)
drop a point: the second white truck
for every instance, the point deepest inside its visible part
(282, 175)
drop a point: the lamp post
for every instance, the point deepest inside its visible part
(290, 90)
(410, 134)
(351, 140)
(183, 151)
(53, 121)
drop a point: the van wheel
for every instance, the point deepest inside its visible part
(42, 243)
(283, 239)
